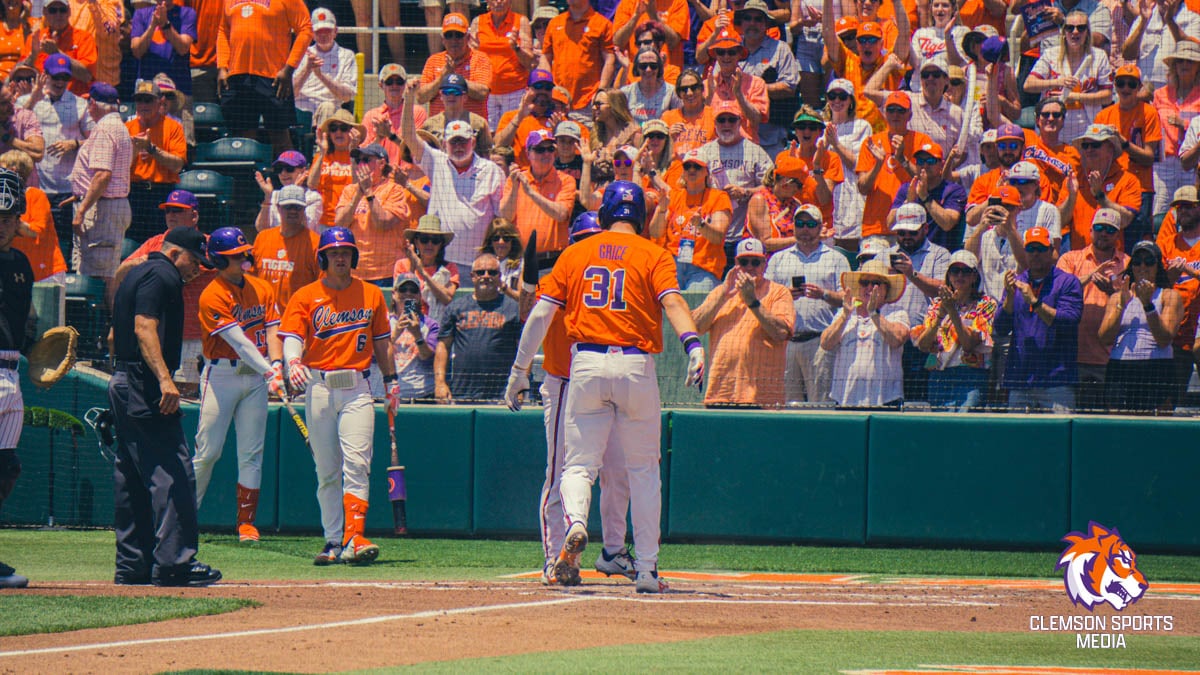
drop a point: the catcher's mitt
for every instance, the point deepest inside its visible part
(53, 356)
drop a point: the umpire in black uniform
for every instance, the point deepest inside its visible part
(155, 489)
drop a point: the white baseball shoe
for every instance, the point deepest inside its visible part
(548, 574)
(618, 563)
(648, 581)
(330, 555)
(566, 568)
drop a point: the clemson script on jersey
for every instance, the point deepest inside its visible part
(338, 328)
(223, 305)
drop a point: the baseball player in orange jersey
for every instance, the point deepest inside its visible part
(240, 322)
(614, 288)
(330, 330)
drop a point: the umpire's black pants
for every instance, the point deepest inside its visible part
(154, 488)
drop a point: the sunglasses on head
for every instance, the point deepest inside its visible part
(749, 262)
(1105, 228)
(1075, 28)
(1036, 248)
(648, 66)
(1051, 115)
(931, 74)
(335, 128)
(1008, 145)
(1145, 260)
(895, 110)
(429, 239)
(926, 160)
(394, 82)
(689, 88)
(490, 272)
(837, 96)
(807, 224)
(1127, 83)
(727, 52)
(1090, 145)
(727, 119)
(866, 39)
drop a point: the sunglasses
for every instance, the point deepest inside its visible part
(955, 82)
(542, 86)
(690, 166)
(1018, 182)
(752, 18)
(866, 39)
(727, 52)
(809, 126)
(1107, 229)
(727, 119)
(1036, 248)
(1008, 145)
(23, 78)
(689, 88)
(177, 209)
(960, 270)
(429, 239)
(451, 92)
(649, 42)
(1051, 115)
(648, 66)
(394, 82)
(335, 128)
(848, 36)
(931, 74)
(285, 168)
(490, 272)
(622, 162)
(837, 96)
(363, 159)
(65, 77)
(1145, 261)
(542, 149)
(808, 224)
(1075, 28)
(895, 110)
(497, 238)
(1127, 83)
(871, 283)
(454, 35)
(927, 160)
(749, 262)
(656, 137)
(1090, 145)
(56, 10)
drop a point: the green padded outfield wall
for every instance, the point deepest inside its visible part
(994, 480)
(1138, 476)
(764, 475)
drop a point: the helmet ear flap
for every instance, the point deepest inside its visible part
(219, 262)
(322, 261)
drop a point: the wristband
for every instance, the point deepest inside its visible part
(1149, 308)
(1035, 305)
(393, 137)
(388, 379)
(419, 341)
(370, 198)
(754, 305)
(690, 341)
(277, 362)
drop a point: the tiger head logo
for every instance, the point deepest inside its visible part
(1098, 567)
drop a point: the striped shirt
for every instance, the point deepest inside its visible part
(107, 149)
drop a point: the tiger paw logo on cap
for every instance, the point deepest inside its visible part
(1099, 567)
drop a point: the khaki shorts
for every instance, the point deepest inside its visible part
(97, 252)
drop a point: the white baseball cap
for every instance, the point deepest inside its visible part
(459, 129)
(909, 217)
(750, 248)
(841, 84)
(323, 18)
(568, 129)
(1025, 171)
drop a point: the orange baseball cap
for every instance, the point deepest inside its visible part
(788, 166)
(728, 38)
(898, 98)
(930, 149)
(1007, 195)
(1037, 235)
(726, 106)
(562, 95)
(870, 29)
(1129, 70)
(454, 22)
(846, 24)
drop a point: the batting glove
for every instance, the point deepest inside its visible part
(393, 397)
(298, 374)
(275, 382)
(518, 384)
(695, 371)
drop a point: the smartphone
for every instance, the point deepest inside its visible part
(798, 282)
(995, 201)
(896, 258)
(412, 307)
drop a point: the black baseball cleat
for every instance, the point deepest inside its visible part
(10, 579)
(195, 575)
(131, 579)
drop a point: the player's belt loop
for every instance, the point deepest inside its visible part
(606, 349)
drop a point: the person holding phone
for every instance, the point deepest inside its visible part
(924, 265)
(414, 335)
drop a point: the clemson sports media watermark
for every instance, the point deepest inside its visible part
(1099, 569)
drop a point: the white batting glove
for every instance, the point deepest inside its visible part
(393, 396)
(275, 382)
(298, 374)
(695, 371)
(518, 384)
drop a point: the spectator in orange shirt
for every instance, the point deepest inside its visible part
(1181, 255)
(692, 223)
(36, 237)
(203, 57)
(534, 112)
(1011, 147)
(472, 64)
(653, 35)
(435, 12)
(377, 211)
(286, 254)
(578, 49)
(507, 39)
(722, 16)
(1105, 184)
(380, 124)
(886, 162)
(453, 97)
(102, 19)
(692, 125)
(1141, 132)
(858, 68)
(1056, 156)
(58, 35)
(728, 82)
(15, 28)
(672, 17)
(159, 152)
(332, 169)
(539, 199)
(256, 58)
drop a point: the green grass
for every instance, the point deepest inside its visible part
(88, 555)
(24, 614)
(831, 651)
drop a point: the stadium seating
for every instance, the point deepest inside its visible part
(237, 158)
(87, 312)
(209, 122)
(215, 194)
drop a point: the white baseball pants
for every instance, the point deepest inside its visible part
(341, 431)
(227, 397)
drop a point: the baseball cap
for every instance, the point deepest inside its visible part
(371, 150)
(392, 70)
(323, 18)
(1107, 216)
(846, 24)
(454, 23)
(191, 240)
(873, 246)
(1104, 133)
(964, 257)
(1148, 246)
(870, 29)
(936, 63)
(956, 73)
(181, 198)
(458, 129)
(1037, 235)
(994, 49)
(1010, 130)
(1007, 195)
(292, 158)
(933, 149)
(655, 125)
(56, 64)
(988, 137)
(561, 94)
(1129, 70)
(909, 217)
(407, 278)
(292, 195)
(693, 157)
(22, 66)
(103, 92)
(454, 84)
(545, 12)
(811, 210)
(165, 84)
(56, 2)
(540, 76)
(629, 151)
(789, 166)
(1024, 171)
(750, 248)
(568, 129)
(146, 89)
(1187, 193)
(841, 84)
(537, 137)
(726, 107)
(898, 98)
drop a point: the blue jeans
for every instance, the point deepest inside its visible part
(958, 389)
(692, 278)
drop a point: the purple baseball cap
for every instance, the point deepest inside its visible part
(291, 158)
(994, 49)
(536, 137)
(103, 92)
(57, 64)
(539, 76)
(181, 198)
(1010, 130)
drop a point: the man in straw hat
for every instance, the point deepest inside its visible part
(1102, 183)
(866, 338)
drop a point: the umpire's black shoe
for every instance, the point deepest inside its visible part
(131, 579)
(195, 575)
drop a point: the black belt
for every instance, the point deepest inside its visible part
(9, 364)
(125, 366)
(805, 336)
(603, 349)
(366, 374)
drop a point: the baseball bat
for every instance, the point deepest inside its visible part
(287, 402)
(397, 489)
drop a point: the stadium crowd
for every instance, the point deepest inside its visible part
(972, 204)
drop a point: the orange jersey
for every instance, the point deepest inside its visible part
(209, 16)
(475, 68)
(102, 20)
(611, 287)
(223, 305)
(887, 183)
(555, 186)
(1056, 164)
(1120, 186)
(834, 173)
(858, 74)
(336, 172)
(576, 50)
(379, 247)
(556, 348)
(697, 130)
(973, 13)
(287, 263)
(255, 36)
(1139, 126)
(45, 257)
(75, 43)
(508, 75)
(338, 328)
(168, 137)
(673, 13)
(681, 207)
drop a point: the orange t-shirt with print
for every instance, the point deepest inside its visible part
(378, 247)
(697, 130)
(224, 305)
(255, 37)
(858, 74)
(168, 137)
(1120, 186)
(556, 186)
(337, 171)
(887, 183)
(508, 75)
(834, 173)
(338, 327)
(681, 207)
(102, 20)
(45, 257)
(287, 263)
(673, 13)
(576, 52)
(1139, 126)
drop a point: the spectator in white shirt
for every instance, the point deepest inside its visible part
(327, 75)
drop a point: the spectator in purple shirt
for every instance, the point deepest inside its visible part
(161, 41)
(944, 202)
(1042, 305)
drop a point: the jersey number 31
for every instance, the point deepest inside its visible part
(606, 288)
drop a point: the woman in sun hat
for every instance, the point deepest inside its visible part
(426, 257)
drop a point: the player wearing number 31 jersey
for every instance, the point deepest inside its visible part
(239, 318)
(614, 288)
(331, 329)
